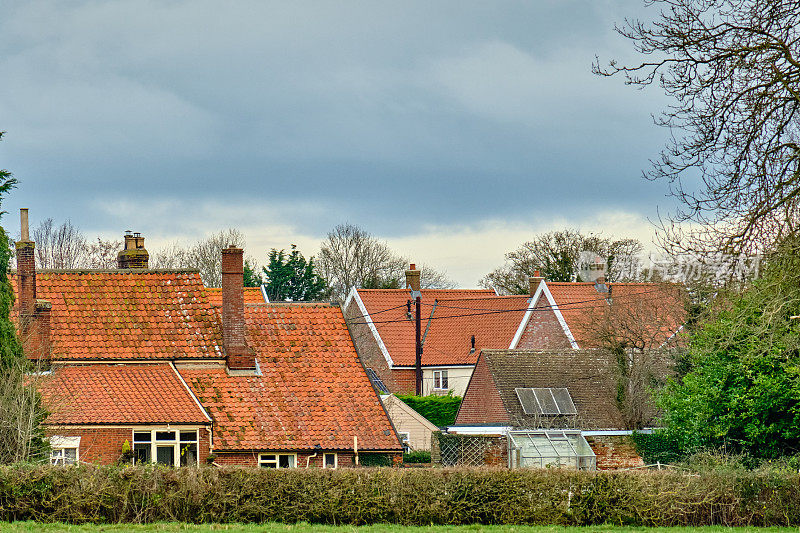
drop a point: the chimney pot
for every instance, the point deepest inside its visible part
(133, 254)
(413, 278)
(23, 224)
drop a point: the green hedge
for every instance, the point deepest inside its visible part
(400, 496)
(441, 410)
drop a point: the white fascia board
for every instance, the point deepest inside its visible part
(478, 430)
(671, 337)
(436, 367)
(542, 289)
(612, 432)
(368, 319)
(264, 294)
(526, 318)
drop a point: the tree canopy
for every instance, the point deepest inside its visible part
(10, 349)
(732, 70)
(556, 255)
(743, 388)
(292, 277)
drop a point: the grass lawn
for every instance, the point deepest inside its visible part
(20, 527)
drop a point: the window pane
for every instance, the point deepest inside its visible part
(444, 380)
(165, 455)
(330, 460)
(188, 436)
(269, 465)
(70, 456)
(189, 454)
(56, 456)
(165, 435)
(141, 453)
(141, 436)
(286, 461)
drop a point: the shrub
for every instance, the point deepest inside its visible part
(441, 410)
(374, 459)
(145, 494)
(417, 457)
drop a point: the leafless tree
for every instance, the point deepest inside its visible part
(556, 255)
(102, 254)
(732, 69)
(352, 257)
(639, 333)
(21, 412)
(62, 246)
(204, 255)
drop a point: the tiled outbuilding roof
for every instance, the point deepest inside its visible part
(129, 314)
(587, 374)
(387, 309)
(312, 388)
(119, 394)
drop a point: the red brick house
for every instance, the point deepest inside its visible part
(142, 358)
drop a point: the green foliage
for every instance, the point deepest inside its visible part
(417, 457)
(743, 391)
(251, 277)
(10, 349)
(291, 277)
(147, 494)
(374, 459)
(441, 410)
(657, 447)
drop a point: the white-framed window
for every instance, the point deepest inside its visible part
(440, 380)
(64, 450)
(404, 437)
(277, 460)
(330, 460)
(169, 447)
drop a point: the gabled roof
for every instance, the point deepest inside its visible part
(312, 388)
(119, 394)
(129, 314)
(252, 295)
(388, 313)
(587, 374)
(656, 308)
(492, 320)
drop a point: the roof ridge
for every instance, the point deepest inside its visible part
(114, 271)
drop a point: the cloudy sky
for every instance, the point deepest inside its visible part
(453, 130)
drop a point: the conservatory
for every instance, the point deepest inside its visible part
(542, 448)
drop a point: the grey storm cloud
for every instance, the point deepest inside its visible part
(372, 112)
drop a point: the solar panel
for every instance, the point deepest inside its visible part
(564, 401)
(373, 377)
(545, 401)
(530, 406)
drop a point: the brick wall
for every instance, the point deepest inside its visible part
(405, 380)
(104, 445)
(543, 331)
(614, 452)
(345, 459)
(482, 403)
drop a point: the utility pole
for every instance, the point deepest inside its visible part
(418, 369)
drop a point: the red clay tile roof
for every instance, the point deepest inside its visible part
(119, 394)
(313, 389)
(129, 315)
(658, 305)
(397, 331)
(252, 295)
(493, 321)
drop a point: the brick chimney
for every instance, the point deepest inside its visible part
(534, 281)
(26, 275)
(34, 314)
(238, 354)
(133, 255)
(413, 278)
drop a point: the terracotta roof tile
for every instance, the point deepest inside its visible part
(312, 390)
(658, 306)
(252, 295)
(129, 315)
(397, 331)
(119, 394)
